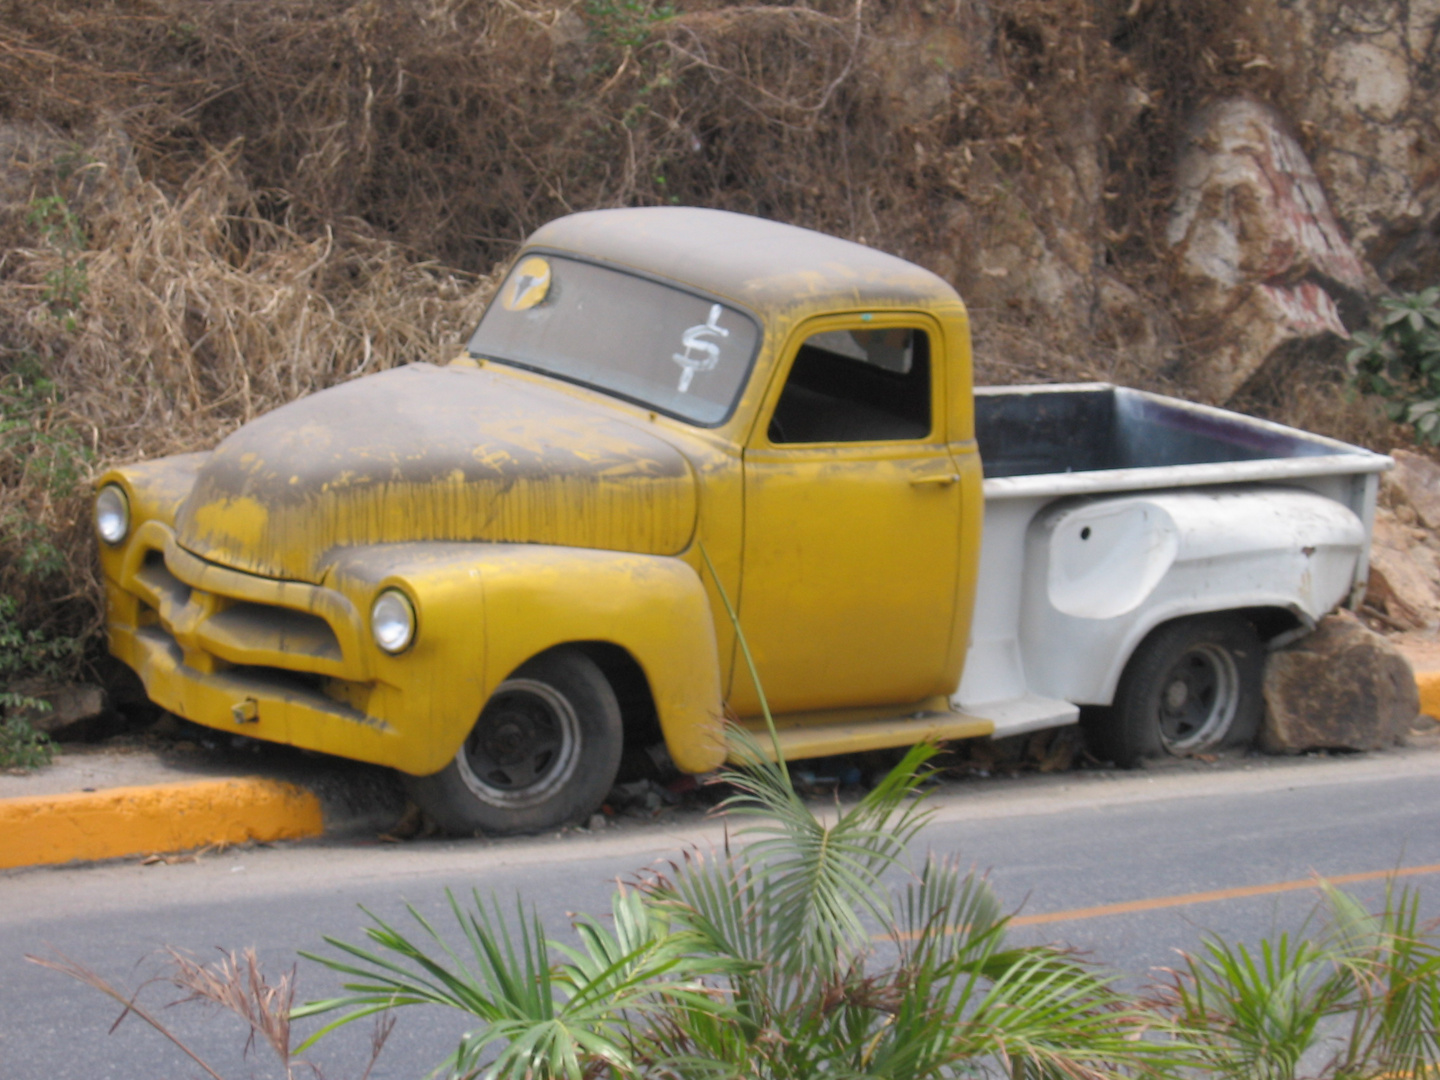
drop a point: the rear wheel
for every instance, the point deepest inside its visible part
(543, 753)
(1193, 685)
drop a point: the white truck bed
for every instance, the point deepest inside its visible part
(1109, 511)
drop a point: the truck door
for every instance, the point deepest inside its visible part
(852, 511)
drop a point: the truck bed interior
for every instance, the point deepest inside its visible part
(1025, 431)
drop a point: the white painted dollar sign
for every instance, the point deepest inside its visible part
(694, 341)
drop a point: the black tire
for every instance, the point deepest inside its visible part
(543, 753)
(1194, 685)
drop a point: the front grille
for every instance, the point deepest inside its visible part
(244, 627)
(221, 618)
(159, 580)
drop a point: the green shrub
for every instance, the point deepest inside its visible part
(21, 746)
(32, 653)
(39, 449)
(1401, 361)
(60, 229)
(789, 957)
(27, 654)
(44, 464)
(625, 23)
(1362, 996)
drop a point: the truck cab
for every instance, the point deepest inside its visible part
(491, 575)
(497, 575)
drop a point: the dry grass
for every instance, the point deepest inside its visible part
(236, 984)
(273, 195)
(194, 313)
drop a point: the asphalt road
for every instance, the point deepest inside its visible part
(1125, 867)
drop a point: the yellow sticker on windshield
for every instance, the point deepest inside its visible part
(528, 286)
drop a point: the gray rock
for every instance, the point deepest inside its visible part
(70, 707)
(1417, 480)
(1342, 688)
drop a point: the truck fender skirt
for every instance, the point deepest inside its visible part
(1102, 573)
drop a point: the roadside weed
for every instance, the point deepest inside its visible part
(60, 229)
(236, 984)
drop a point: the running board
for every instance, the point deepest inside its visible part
(809, 740)
(1026, 713)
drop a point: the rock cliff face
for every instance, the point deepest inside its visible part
(1304, 183)
(1260, 264)
(1201, 193)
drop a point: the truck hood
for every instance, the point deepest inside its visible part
(427, 453)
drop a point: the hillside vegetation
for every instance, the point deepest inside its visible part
(213, 206)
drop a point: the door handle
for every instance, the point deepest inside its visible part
(936, 479)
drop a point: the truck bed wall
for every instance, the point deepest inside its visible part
(1089, 428)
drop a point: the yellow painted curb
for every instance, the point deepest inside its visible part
(164, 817)
(1428, 683)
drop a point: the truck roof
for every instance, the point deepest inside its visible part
(765, 265)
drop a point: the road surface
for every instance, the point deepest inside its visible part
(1126, 867)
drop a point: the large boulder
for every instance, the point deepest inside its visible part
(1261, 266)
(1344, 687)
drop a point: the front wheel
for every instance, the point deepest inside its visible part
(543, 753)
(1192, 686)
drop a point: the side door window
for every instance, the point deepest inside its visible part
(856, 386)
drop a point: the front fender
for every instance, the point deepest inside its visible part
(155, 490)
(484, 609)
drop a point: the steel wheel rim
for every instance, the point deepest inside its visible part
(525, 747)
(1198, 699)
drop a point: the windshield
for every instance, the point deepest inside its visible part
(654, 344)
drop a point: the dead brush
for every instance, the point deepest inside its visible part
(202, 314)
(197, 314)
(306, 190)
(235, 984)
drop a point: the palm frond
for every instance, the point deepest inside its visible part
(1255, 1015)
(822, 882)
(947, 917)
(1393, 967)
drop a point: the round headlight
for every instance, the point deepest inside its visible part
(112, 514)
(392, 621)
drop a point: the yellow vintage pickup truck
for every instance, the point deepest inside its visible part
(497, 575)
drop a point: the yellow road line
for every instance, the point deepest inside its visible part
(113, 822)
(1130, 907)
